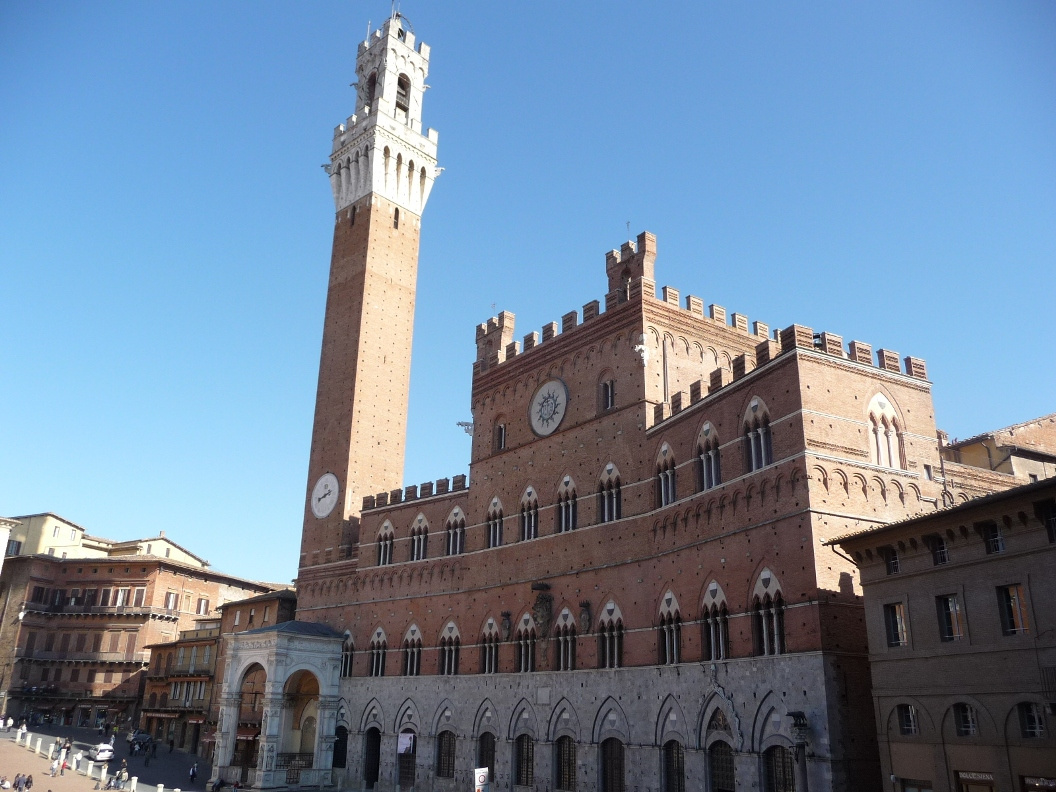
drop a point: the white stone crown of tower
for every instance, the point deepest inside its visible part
(381, 149)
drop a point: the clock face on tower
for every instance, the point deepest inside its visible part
(548, 406)
(324, 495)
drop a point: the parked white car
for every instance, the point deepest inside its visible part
(103, 752)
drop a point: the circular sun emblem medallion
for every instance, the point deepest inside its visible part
(548, 407)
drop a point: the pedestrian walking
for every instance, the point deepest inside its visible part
(171, 744)
(29, 783)
(54, 766)
(193, 772)
(154, 748)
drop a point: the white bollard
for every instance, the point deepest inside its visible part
(132, 784)
(161, 788)
(39, 741)
(51, 751)
(91, 764)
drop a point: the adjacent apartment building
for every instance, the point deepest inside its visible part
(962, 643)
(77, 614)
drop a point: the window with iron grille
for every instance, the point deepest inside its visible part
(405, 758)
(721, 767)
(951, 620)
(993, 540)
(966, 722)
(1013, 609)
(565, 752)
(445, 754)
(895, 624)
(524, 769)
(940, 552)
(778, 770)
(674, 767)
(891, 561)
(907, 719)
(1031, 719)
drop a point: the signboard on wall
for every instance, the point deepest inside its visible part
(480, 780)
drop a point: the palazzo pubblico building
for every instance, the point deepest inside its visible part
(631, 590)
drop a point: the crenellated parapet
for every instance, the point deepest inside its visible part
(792, 337)
(630, 269)
(415, 492)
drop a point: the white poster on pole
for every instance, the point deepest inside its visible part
(480, 780)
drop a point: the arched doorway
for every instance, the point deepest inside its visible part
(250, 711)
(406, 750)
(371, 757)
(297, 752)
(340, 747)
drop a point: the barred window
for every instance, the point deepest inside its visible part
(778, 770)
(1031, 720)
(565, 753)
(721, 767)
(674, 767)
(445, 754)
(1013, 609)
(524, 750)
(965, 720)
(908, 722)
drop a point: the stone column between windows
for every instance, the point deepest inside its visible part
(326, 733)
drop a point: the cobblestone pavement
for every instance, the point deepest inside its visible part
(171, 770)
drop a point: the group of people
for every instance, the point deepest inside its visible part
(60, 764)
(22, 783)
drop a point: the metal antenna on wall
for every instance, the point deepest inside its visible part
(628, 229)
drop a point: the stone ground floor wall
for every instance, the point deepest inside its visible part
(643, 707)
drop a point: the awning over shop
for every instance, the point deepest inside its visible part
(247, 733)
(196, 720)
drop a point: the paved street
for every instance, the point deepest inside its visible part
(168, 769)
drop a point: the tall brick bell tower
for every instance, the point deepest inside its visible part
(381, 171)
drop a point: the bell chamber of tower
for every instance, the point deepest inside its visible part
(381, 169)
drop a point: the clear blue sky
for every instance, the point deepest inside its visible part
(886, 172)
